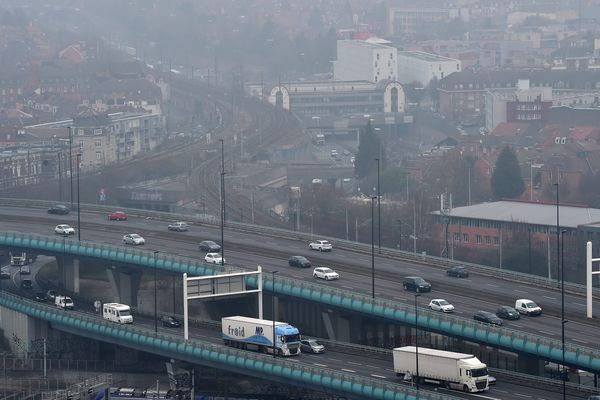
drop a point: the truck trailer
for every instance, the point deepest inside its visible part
(449, 369)
(257, 334)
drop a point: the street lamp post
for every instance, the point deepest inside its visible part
(273, 312)
(372, 247)
(378, 206)
(155, 297)
(562, 312)
(529, 249)
(417, 340)
(60, 191)
(78, 200)
(222, 201)
(557, 237)
(71, 162)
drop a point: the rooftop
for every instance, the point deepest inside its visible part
(528, 213)
(421, 55)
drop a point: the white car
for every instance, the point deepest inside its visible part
(64, 229)
(214, 258)
(441, 305)
(325, 273)
(133, 238)
(321, 245)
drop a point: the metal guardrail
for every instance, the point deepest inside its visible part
(517, 377)
(12, 363)
(81, 390)
(582, 357)
(345, 244)
(219, 355)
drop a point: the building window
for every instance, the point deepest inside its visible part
(378, 56)
(456, 237)
(97, 131)
(478, 239)
(98, 155)
(98, 142)
(80, 132)
(466, 237)
(496, 240)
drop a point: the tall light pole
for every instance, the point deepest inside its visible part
(378, 206)
(71, 162)
(529, 251)
(373, 247)
(417, 340)
(222, 200)
(562, 312)
(60, 191)
(78, 202)
(557, 236)
(155, 297)
(273, 312)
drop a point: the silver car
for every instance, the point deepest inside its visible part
(133, 238)
(311, 346)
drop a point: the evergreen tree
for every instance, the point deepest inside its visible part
(368, 150)
(506, 180)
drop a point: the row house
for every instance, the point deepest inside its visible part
(462, 94)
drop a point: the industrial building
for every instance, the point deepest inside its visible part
(359, 60)
(418, 66)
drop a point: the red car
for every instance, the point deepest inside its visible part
(117, 216)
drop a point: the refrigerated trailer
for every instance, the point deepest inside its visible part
(453, 370)
(257, 334)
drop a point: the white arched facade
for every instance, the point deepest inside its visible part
(285, 96)
(387, 97)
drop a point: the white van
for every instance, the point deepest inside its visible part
(116, 312)
(64, 302)
(528, 307)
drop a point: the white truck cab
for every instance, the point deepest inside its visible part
(64, 302)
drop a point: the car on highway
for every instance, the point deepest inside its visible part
(26, 283)
(170, 322)
(321, 245)
(325, 273)
(492, 381)
(5, 273)
(299, 261)
(51, 294)
(507, 312)
(214, 258)
(441, 305)
(59, 209)
(209, 246)
(311, 346)
(487, 317)
(178, 226)
(416, 284)
(458, 271)
(134, 239)
(64, 229)
(527, 307)
(117, 216)
(24, 270)
(41, 297)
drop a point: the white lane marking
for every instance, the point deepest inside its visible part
(492, 285)
(551, 298)
(372, 366)
(547, 333)
(520, 291)
(398, 298)
(348, 370)
(517, 325)
(411, 269)
(342, 256)
(581, 305)
(484, 397)
(320, 365)
(501, 391)
(335, 359)
(378, 376)
(348, 287)
(522, 395)
(580, 341)
(353, 363)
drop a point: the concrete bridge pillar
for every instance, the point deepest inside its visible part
(125, 284)
(68, 273)
(21, 329)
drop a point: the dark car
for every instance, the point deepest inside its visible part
(170, 322)
(458, 271)
(59, 209)
(209, 246)
(416, 283)
(507, 312)
(311, 346)
(26, 283)
(5, 274)
(487, 317)
(41, 297)
(299, 261)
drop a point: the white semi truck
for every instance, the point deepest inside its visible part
(257, 334)
(453, 370)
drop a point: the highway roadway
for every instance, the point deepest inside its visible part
(350, 361)
(467, 295)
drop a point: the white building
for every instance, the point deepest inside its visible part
(423, 67)
(358, 60)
